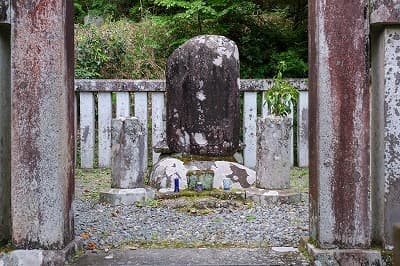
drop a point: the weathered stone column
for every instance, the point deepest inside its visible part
(385, 137)
(127, 176)
(127, 153)
(42, 127)
(273, 160)
(5, 122)
(339, 123)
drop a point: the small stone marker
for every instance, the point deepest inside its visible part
(127, 153)
(273, 165)
(127, 184)
(202, 81)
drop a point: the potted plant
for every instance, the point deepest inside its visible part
(273, 132)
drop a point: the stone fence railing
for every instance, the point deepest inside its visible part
(98, 101)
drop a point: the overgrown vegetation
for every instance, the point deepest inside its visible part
(138, 36)
(282, 96)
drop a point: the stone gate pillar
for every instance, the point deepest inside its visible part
(339, 127)
(42, 124)
(5, 34)
(385, 137)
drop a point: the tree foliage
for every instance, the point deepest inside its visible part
(266, 32)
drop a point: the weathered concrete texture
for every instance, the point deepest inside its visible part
(41, 257)
(273, 160)
(116, 196)
(203, 97)
(127, 153)
(385, 12)
(339, 123)
(42, 127)
(163, 173)
(5, 133)
(265, 196)
(396, 243)
(339, 257)
(5, 11)
(385, 142)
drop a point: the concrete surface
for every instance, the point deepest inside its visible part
(201, 256)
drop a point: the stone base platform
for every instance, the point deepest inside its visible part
(127, 196)
(42, 257)
(265, 196)
(337, 257)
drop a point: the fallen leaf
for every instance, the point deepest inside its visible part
(91, 245)
(85, 235)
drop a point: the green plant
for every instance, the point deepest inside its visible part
(282, 96)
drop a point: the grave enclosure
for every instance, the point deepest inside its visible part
(347, 151)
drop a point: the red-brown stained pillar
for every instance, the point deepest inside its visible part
(5, 131)
(339, 123)
(42, 126)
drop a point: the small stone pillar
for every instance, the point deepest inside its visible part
(5, 124)
(339, 124)
(127, 153)
(273, 160)
(385, 122)
(203, 115)
(42, 126)
(127, 177)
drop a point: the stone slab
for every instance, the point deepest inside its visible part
(265, 196)
(338, 257)
(192, 256)
(116, 196)
(37, 257)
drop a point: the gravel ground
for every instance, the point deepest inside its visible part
(183, 222)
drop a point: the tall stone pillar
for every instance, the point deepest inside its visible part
(42, 124)
(385, 137)
(5, 91)
(339, 123)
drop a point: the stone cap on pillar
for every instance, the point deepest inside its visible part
(385, 12)
(5, 12)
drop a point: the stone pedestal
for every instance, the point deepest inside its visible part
(5, 132)
(339, 257)
(385, 145)
(202, 80)
(339, 123)
(127, 177)
(42, 124)
(273, 160)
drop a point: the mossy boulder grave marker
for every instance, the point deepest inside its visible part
(203, 116)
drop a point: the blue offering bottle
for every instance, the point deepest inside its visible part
(176, 184)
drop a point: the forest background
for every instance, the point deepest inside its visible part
(136, 37)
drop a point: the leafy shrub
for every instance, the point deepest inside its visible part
(119, 49)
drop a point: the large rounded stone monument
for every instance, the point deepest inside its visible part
(203, 97)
